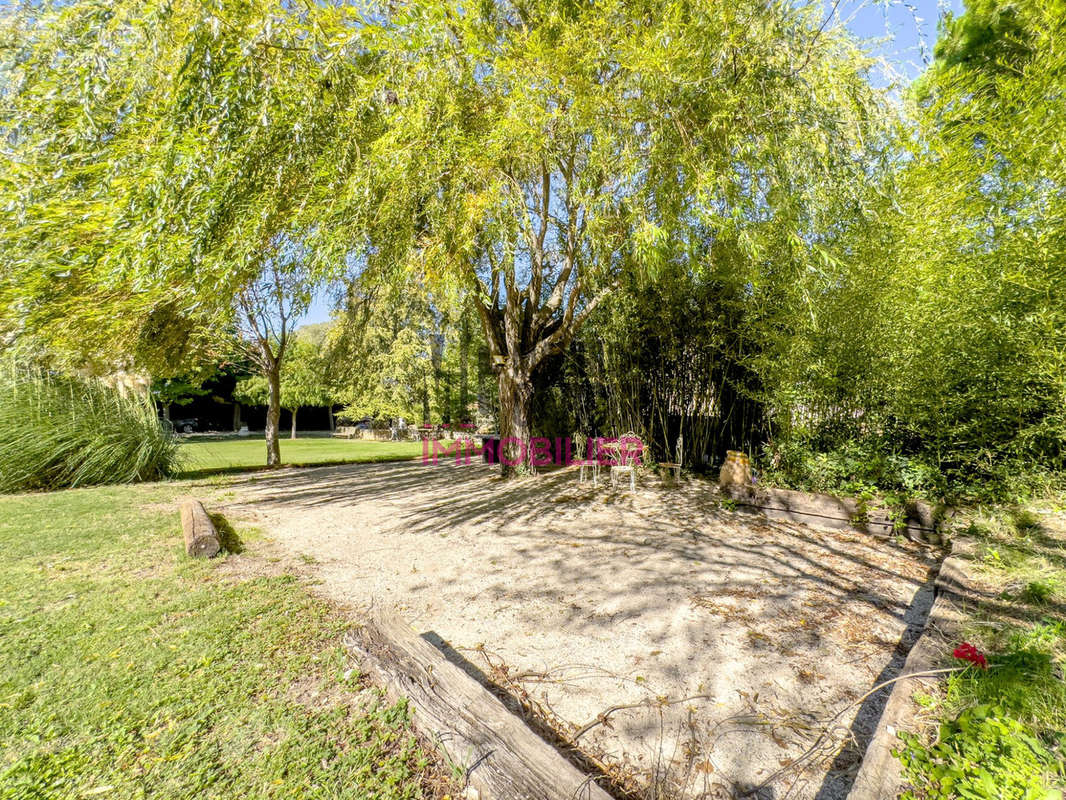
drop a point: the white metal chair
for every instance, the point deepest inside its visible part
(629, 448)
(580, 442)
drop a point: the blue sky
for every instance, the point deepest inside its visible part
(907, 30)
(901, 33)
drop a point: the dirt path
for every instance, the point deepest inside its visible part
(581, 600)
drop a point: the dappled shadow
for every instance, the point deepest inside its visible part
(475, 493)
(841, 776)
(599, 586)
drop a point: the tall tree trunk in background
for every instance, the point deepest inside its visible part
(166, 411)
(436, 358)
(526, 324)
(293, 436)
(464, 376)
(236, 417)
(266, 311)
(273, 420)
(516, 403)
(332, 420)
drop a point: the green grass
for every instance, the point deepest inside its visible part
(129, 670)
(1002, 731)
(206, 456)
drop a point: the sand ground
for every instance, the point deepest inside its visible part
(688, 650)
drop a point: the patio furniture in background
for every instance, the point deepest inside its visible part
(581, 442)
(676, 465)
(627, 449)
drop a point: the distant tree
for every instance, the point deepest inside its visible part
(176, 391)
(268, 308)
(252, 391)
(382, 348)
(302, 380)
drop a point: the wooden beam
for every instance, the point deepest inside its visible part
(201, 538)
(919, 521)
(502, 757)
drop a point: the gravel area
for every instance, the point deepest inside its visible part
(687, 650)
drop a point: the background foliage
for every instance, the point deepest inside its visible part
(916, 342)
(865, 294)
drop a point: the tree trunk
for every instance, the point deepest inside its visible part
(273, 420)
(516, 400)
(332, 421)
(293, 423)
(236, 417)
(525, 331)
(464, 380)
(166, 411)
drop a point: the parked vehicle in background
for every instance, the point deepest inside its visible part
(187, 425)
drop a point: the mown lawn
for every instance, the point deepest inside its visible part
(129, 671)
(204, 456)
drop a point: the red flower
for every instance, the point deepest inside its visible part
(967, 652)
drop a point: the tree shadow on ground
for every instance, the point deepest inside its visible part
(674, 536)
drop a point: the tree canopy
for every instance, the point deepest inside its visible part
(875, 288)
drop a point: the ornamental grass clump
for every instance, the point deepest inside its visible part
(58, 432)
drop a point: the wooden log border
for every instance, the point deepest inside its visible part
(201, 537)
(880, 773)
(919, 522)
(501, 757)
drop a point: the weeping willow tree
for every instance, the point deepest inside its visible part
(525, 153)
(157, 162)
(530, 154)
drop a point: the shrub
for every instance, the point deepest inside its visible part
(983, 754)
(858, 468)
(1038, 592)
(58, 432)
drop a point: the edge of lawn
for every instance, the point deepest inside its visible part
(207, 472)
(195, 473)
(998, 731)
(128, 664)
